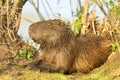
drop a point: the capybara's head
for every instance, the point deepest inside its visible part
(48, 31)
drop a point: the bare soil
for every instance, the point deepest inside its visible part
(12, 69)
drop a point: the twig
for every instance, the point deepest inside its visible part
(6, 50)
(50, 8)
(45, 9)
(36, 9)
(28, 20)
(101, 7)
(72, 14)
(38, 4)
(79, 3)
(18, 21)
(93, 26)
(84, 17)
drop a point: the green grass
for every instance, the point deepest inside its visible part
(101, 73)
(36, 75)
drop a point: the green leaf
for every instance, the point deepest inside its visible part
(29, 55)
(114, 47)
(3, 1)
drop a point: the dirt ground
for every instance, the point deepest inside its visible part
(113, 58)
(11, 69)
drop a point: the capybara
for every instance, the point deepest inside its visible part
(62, 51)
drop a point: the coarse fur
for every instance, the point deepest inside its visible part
(62, 51)
(93, 52)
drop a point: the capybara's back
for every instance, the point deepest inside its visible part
(93, 52)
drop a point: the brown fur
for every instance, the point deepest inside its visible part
(62, 51)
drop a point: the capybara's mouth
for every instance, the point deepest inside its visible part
(38, 41)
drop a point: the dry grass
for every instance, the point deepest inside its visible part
(109, 71)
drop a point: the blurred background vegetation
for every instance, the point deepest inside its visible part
(84, 19)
